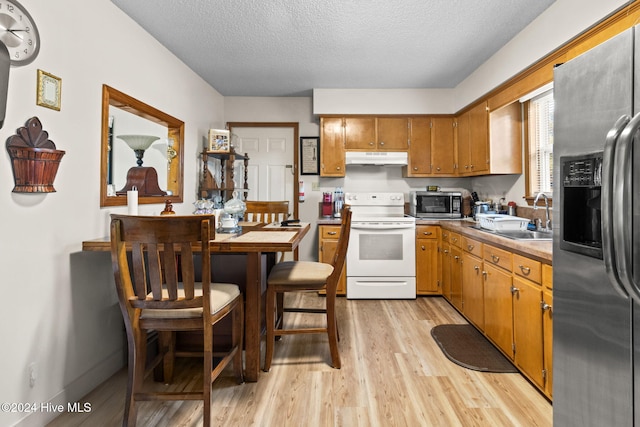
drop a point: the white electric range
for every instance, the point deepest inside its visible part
(381, 261)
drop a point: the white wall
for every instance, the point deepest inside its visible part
(59, 307)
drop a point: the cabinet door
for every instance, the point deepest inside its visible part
(498, 308)
(328, 245)
(547, 327)
(462, 141)
(479, 139)
(527, 328)
(419, 147)
(426, 266)
(456, 277)
(332, 146)
(445, 270)
(360, 133)
(442, 146)
(472, 290)
(393, 133)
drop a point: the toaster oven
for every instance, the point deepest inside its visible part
(435, 204)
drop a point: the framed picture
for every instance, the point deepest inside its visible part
(219, 141)
(49, 90)
(310, 155)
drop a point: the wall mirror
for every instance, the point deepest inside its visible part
(141, 147)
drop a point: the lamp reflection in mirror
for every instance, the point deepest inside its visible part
(139, 144)
(145, 179)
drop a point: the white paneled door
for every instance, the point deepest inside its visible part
(271, 153)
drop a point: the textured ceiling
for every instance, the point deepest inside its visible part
(289, 47)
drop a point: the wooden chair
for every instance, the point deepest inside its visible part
(266, 212)
(305, 276)
(157, 291)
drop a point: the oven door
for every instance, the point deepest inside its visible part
(381, 260)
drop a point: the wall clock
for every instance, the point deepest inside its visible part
(18, 32)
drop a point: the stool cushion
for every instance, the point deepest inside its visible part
(300, 273)
(221, 295)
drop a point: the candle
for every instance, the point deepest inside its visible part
(132, 201)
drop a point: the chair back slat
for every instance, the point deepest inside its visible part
(266, 212)
(187, 270)
(139, 270)
(155, 263)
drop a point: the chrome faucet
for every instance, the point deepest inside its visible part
(547, 222)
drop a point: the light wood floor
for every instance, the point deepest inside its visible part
(393, 374)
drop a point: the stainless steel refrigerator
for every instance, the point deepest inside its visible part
(596, 248)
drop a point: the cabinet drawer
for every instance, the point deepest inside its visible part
(498, 257)
(472, 246)
(454, 239)
(427, 232)
(329, 232)
(527, 268)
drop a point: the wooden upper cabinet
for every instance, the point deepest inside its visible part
(376, 133)
(489, 143)
(479, 139)
(360, 133)
(392, 133)
(419, 147)
(443, 158)
(463, 144)
(505, 140)
(332, 162)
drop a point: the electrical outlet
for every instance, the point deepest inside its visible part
(33, 374)
(315, 186)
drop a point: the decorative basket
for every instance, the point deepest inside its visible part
(34, 159)
(499, 222)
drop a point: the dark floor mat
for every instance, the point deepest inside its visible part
(467, 347)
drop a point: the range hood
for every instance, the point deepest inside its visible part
(380, 158)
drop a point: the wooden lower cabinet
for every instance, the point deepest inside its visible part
(327, 246)
(473, 290)
(427, 282)
(445, 269)
(456, 277)
(498, 308)
(527, 329)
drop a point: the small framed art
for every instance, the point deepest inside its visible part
(49, 90)
(310, 155)
(219, 141)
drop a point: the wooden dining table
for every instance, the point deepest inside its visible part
(253, 241)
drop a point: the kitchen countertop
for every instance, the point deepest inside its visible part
(539, 250)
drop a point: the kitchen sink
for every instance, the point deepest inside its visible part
(525, 234)
(520, 234)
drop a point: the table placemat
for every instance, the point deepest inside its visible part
(266, 236)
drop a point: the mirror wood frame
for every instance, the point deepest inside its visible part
(175, 130)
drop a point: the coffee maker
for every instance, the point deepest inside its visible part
(338, 202)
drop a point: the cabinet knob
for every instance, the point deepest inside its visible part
(381, 142)
(438, 169)
(415, 168)
(476, 268)
(423, 247)
(427, 233)
(470, 248)
(332, 233)
(466, 166)
(446, 251)
(372, 144)
(544, 306)
(456, 257)
(495, 258)
(471, 166)
(338, 168)
(514, 290)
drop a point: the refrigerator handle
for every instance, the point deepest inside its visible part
(608, 249)
(623, 206)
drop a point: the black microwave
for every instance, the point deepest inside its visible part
(435, 204)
